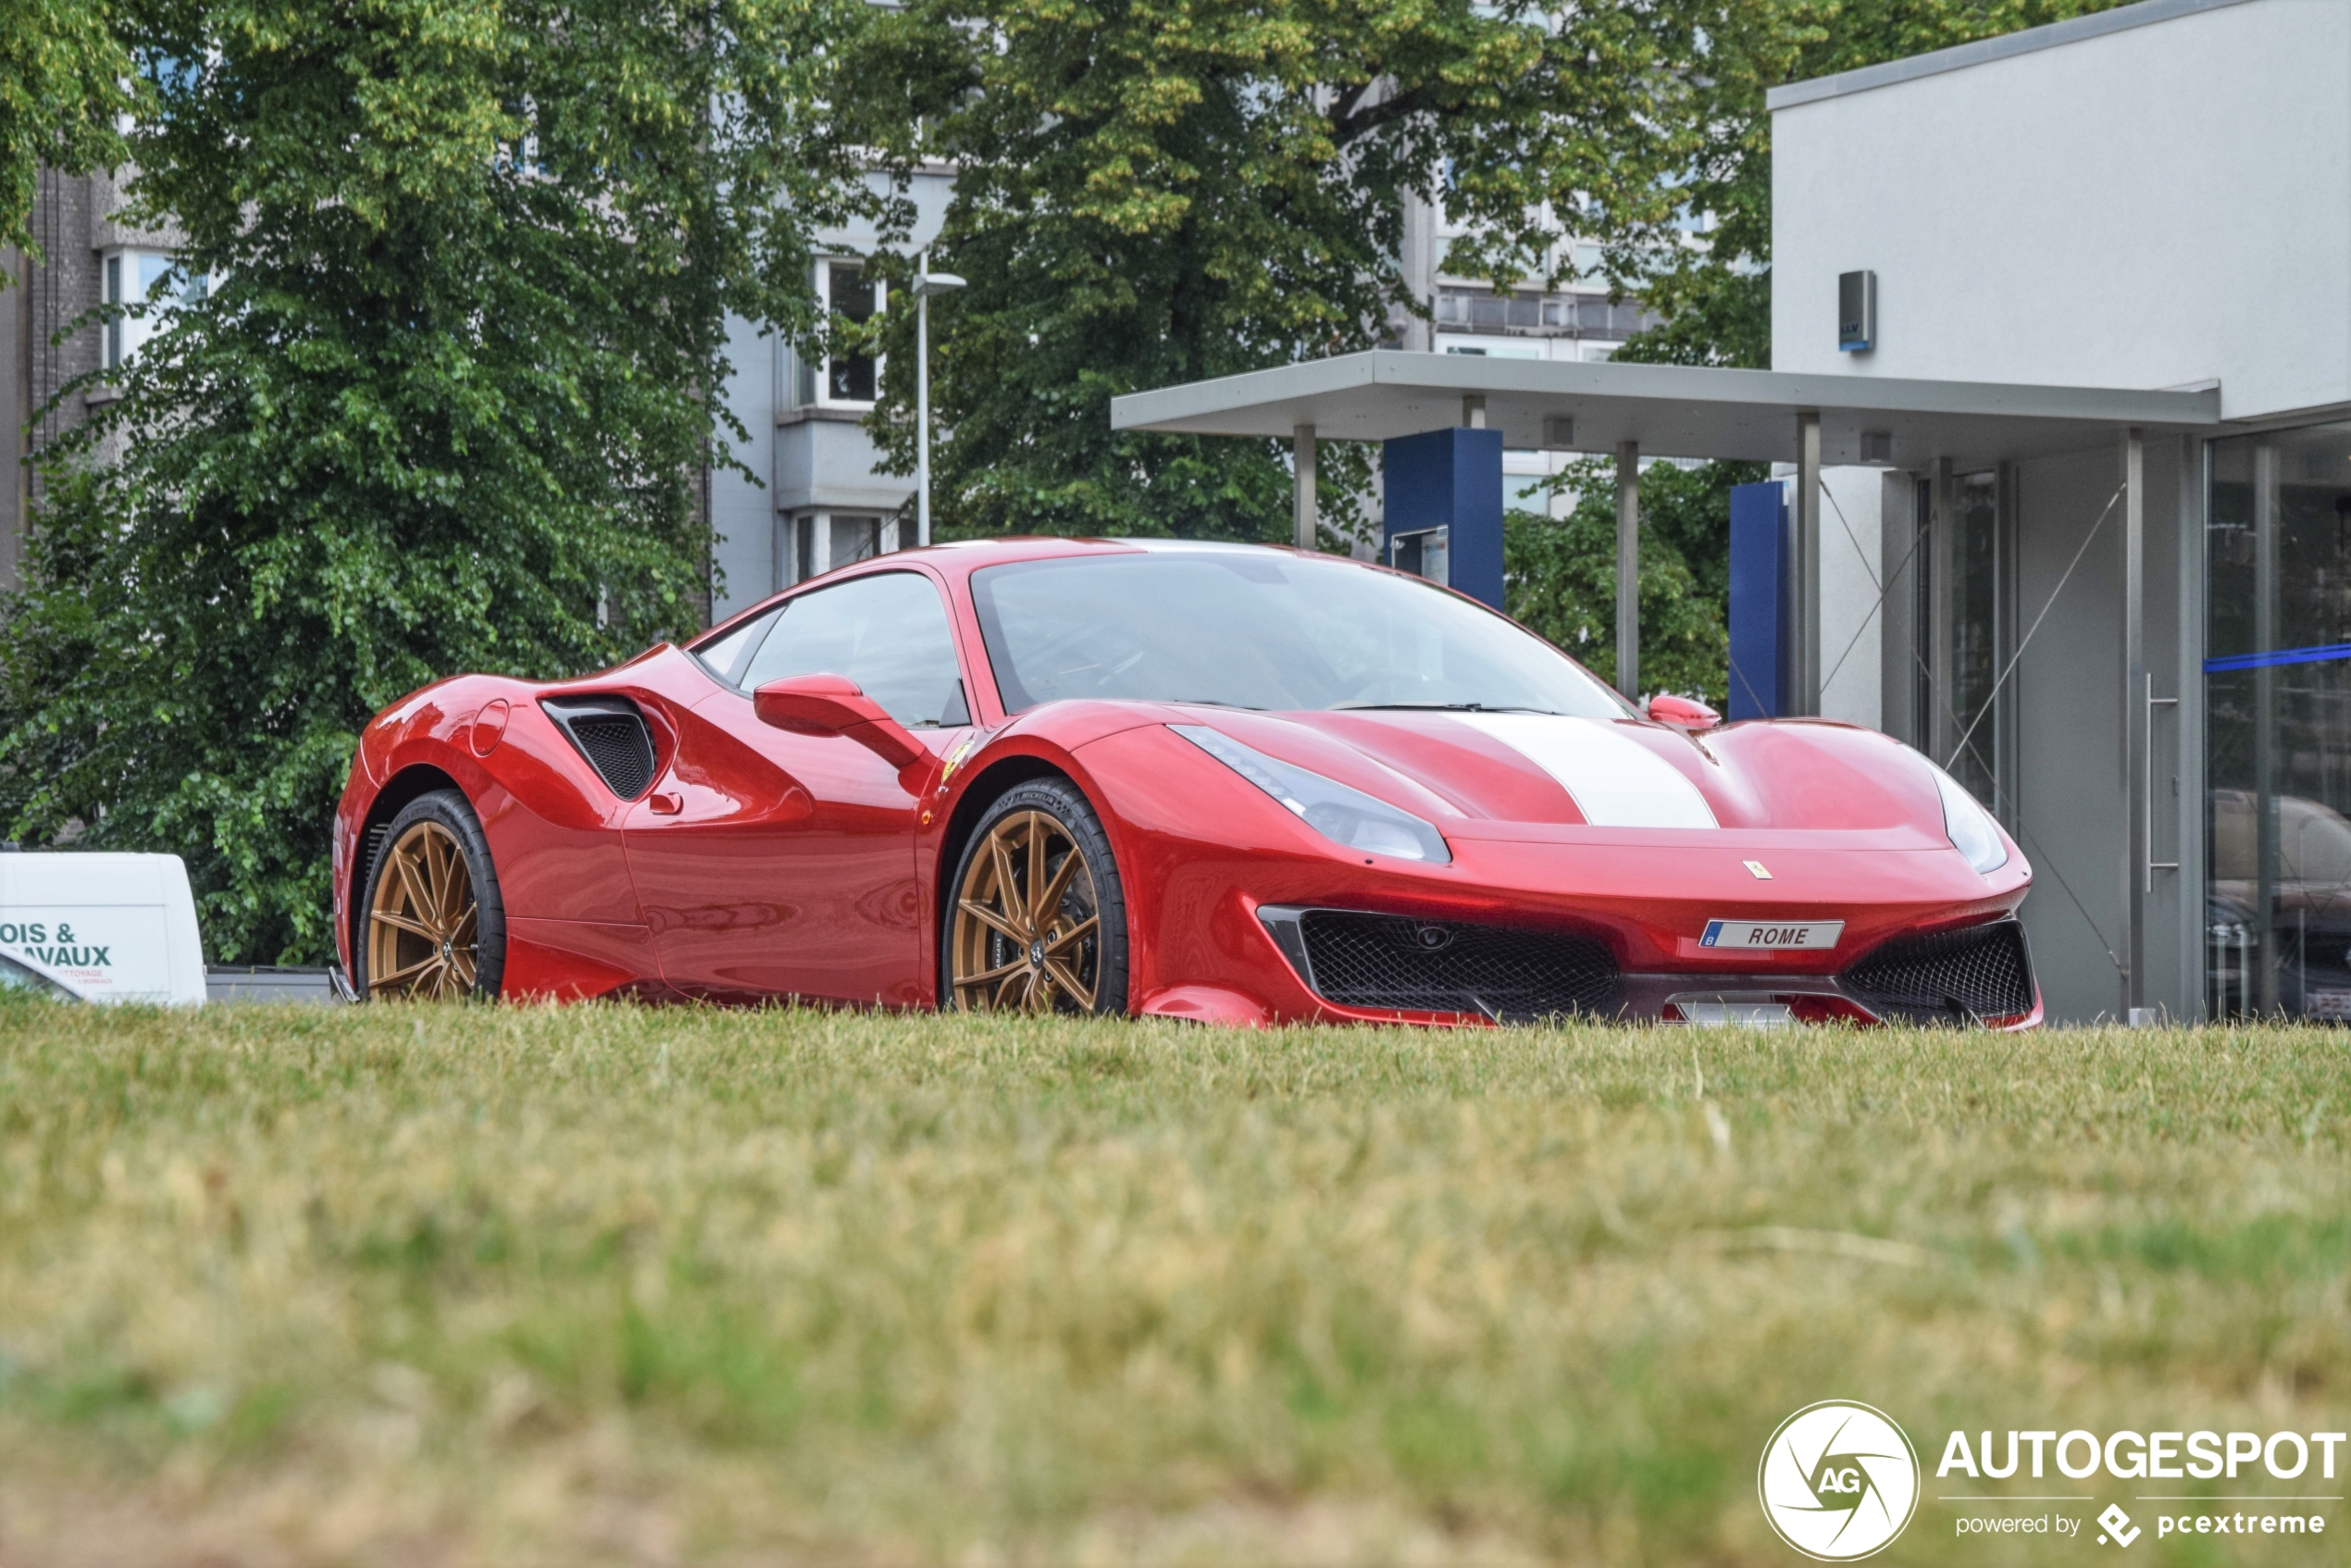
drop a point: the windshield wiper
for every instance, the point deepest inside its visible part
(1449, 708)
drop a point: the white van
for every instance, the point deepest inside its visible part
(100, 928)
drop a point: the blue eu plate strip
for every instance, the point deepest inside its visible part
(1713, 930)
(2327, 655)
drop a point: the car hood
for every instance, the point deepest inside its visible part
(1506, 773)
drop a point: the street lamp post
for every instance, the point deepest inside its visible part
(926, 283)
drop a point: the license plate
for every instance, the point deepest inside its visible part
(1730, 1015)
(1812, 936)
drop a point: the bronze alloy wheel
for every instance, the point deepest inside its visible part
(1028, 930)
(422, 924)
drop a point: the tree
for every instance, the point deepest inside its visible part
(64, 78)
(1559, 576)
(441, 409)
(1150, 192)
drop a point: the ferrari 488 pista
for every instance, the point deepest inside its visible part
(1216, 782)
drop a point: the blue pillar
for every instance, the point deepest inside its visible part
(1762, 584)
(1444, 493)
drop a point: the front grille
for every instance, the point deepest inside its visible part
(611, 734)
(1958, 977)
(1388, 961)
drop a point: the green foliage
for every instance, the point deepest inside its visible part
(64, 78)
(1151, 191)
(438, 411)
(1716, 296)
(1560, 576)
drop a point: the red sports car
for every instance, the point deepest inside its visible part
(1219, 782)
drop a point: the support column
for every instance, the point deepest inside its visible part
(1303, 516)
(2135, 706)
(1628, 568)
(1808, 564)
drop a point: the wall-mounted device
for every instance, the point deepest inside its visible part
(1856, 312)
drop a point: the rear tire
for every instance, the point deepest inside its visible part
(1035, 919)
(431, 925)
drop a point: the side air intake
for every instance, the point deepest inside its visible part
(1975, 973)
(1394, 962)
(611, 735)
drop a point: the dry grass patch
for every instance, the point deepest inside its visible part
(612, 1283)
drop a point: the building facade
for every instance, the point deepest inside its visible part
(821, 500)
(87, 258)
(2158, 196)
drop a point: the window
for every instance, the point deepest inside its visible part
(849, 377)
(2277, 738)
(724, 656)
(1251, 628)
(113, 324)
(139, 278)
(887, 632)
(821, 540)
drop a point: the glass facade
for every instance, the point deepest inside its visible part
(2277, 686)
(1976, 634)
(1962, 616)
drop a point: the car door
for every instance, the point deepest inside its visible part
(769, 862)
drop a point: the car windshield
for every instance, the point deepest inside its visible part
(1251, 628)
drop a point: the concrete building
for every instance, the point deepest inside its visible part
(822, 500)
(2158, 196)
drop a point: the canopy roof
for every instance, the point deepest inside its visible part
(1672, 410)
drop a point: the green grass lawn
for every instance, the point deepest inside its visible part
(611, 1284)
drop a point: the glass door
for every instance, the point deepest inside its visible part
(2277, 682)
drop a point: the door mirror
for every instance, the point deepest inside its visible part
(832, 704)
(1680, 712)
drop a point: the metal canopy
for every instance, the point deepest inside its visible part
(1671, 410)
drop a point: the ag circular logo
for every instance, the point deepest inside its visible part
(1838, 1480)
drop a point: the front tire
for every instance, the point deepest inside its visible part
(433, 927)
(1037, 920)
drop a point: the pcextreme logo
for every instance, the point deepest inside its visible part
(1838, 1481)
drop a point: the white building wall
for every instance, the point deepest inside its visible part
(2151, 206)
(1851, 542)
(742, 513)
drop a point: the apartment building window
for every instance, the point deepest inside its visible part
(1583, 316)
(821, 540)
(849, 377)
(138, 277)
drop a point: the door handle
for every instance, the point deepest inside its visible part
(663, 804)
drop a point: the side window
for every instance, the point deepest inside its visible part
(724, 656)
(887, 632)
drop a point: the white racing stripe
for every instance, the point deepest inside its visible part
(1615, 780)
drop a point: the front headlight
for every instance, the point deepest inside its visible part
(1969, 826)
(1341, 815)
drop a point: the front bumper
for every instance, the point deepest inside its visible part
(1390, 968)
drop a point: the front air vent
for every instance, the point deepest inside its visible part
(1975, 974)
(1392, 962)
(611, 735)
